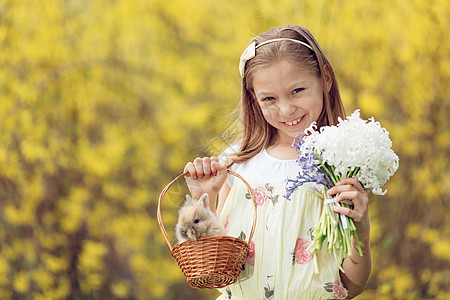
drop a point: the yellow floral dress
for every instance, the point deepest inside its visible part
(278, 266)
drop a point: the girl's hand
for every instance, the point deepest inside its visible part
(351, 189)
(206, 175)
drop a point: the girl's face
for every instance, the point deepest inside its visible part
(290, 98)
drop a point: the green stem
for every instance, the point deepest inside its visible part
(332, 176)
(354, 172)
(357, 243)
(352, 231)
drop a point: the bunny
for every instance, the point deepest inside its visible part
(196, 220)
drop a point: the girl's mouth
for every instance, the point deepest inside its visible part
(294, 122)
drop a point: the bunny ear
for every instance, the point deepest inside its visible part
(189, 200)
(205, 200)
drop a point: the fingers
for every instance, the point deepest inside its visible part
(353, 182)
(217, 167)
(204, 167)
(351, 189)
(356, 215)
(346, 195)
(191, 170)
(348, 189)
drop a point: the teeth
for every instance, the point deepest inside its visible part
(293, 122)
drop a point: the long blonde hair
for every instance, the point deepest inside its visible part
(256, 133)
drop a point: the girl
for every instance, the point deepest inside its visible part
(287, 83)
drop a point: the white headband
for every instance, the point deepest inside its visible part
(249, 52)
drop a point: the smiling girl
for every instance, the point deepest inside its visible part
(287, 83)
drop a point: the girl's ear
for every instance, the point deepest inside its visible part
(204, 199)
(328, 77)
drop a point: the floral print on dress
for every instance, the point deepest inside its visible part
(262, 194)
(268, 293)
(338, 290)
(226, 226)
(301, 254)
(228, 295)
(250, 258)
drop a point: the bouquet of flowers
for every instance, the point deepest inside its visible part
(353, 148)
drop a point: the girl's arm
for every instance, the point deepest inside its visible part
(357, 268)
(223, 194)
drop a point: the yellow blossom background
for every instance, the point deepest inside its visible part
(103, 102)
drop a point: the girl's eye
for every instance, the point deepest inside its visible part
(296, 91)
(268, 98)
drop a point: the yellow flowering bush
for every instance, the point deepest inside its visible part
(103, 102)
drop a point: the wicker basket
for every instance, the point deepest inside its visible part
(213, 261)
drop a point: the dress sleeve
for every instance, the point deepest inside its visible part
(224, 158)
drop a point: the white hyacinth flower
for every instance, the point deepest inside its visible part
(355, 143)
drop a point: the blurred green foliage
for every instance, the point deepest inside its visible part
(103, 102)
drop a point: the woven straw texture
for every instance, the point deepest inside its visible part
(213, 261)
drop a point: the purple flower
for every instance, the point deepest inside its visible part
(311, 170)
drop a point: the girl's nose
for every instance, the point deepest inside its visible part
(285, 107)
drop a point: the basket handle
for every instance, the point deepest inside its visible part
(164, 191)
